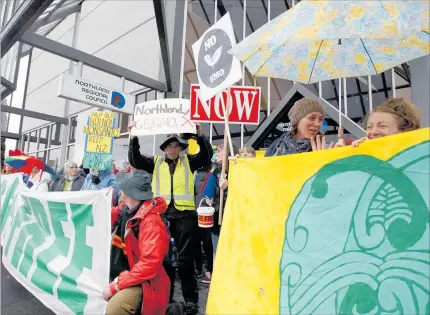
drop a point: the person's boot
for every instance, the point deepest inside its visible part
(191, 308)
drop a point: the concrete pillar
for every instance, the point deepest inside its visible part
(420, 81)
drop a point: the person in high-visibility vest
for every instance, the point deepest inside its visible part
(172, 178)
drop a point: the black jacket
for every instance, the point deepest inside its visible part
(146, 163)
(202, 158)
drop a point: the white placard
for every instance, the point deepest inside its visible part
(217, 70)
(57, 245)
(165, 116)
(87, 92)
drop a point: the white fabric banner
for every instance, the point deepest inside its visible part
(57, 245)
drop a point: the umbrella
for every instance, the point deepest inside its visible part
(323, 40)
(25, 164)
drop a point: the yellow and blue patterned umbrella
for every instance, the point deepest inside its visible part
(323, 40)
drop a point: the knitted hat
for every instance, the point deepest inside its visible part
(303, 107)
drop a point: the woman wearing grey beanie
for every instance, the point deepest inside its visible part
(306, 118)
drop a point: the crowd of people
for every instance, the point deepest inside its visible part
(155, 232)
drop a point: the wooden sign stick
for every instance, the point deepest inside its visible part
(227, 137)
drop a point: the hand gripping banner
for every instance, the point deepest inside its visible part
(57, 245)
(342, 231)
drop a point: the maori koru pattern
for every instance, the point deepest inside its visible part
(357, 238)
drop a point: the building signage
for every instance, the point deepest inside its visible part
(163, 116)
(216, 68)
(244, 105)
(83, 91)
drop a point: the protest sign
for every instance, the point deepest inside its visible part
(57, 245)
(216, 68)
(244, 105)
(99, 144)
(98, 161)
(100, 132)
(341, 231)
(163, 116)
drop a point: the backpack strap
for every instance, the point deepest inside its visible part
(202, 189)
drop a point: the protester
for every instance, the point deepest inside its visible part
(173, 180)
(38, 180)
(221, 184)
(204, 187)
(71, 180)
(97, 180)
(136, 273)
(247, 152)
(306, 117)
(394, 116)
(86, 171)
(7, 169)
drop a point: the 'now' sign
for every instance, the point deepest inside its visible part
(243, 105)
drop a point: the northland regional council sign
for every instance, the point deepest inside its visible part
(83, 91)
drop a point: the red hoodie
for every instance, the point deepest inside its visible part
(145, 256)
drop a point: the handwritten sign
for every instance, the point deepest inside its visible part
(99, 139)
(98, 161)
(101, 124)
(99, 144)
(163, 117)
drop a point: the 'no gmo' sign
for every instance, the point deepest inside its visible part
(216, 68)
(215, 62)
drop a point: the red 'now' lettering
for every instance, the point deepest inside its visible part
(244, 105)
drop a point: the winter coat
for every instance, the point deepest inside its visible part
(287, 144)
(147, 243)
(59, 183)
(107, 179)
(39, 182)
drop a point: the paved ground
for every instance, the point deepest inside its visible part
(16, 300)
(203, 295)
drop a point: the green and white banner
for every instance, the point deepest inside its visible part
(57, 245)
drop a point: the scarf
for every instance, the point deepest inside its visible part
(71, 179)
(287, 144)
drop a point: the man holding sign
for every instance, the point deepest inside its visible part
(173, 180)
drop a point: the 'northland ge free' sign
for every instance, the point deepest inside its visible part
(84, 91)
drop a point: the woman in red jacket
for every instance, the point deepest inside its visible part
(139, 245)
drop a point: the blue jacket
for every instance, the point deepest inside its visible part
(107, 179)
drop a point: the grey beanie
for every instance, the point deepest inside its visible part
(303, 107)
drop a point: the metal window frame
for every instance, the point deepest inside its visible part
(33, 114)
(89, 60)
(21, 20)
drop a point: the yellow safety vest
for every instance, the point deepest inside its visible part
(182, 180)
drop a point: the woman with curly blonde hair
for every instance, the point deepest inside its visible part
(394, 116)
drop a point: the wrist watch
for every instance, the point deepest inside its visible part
(115, 281)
